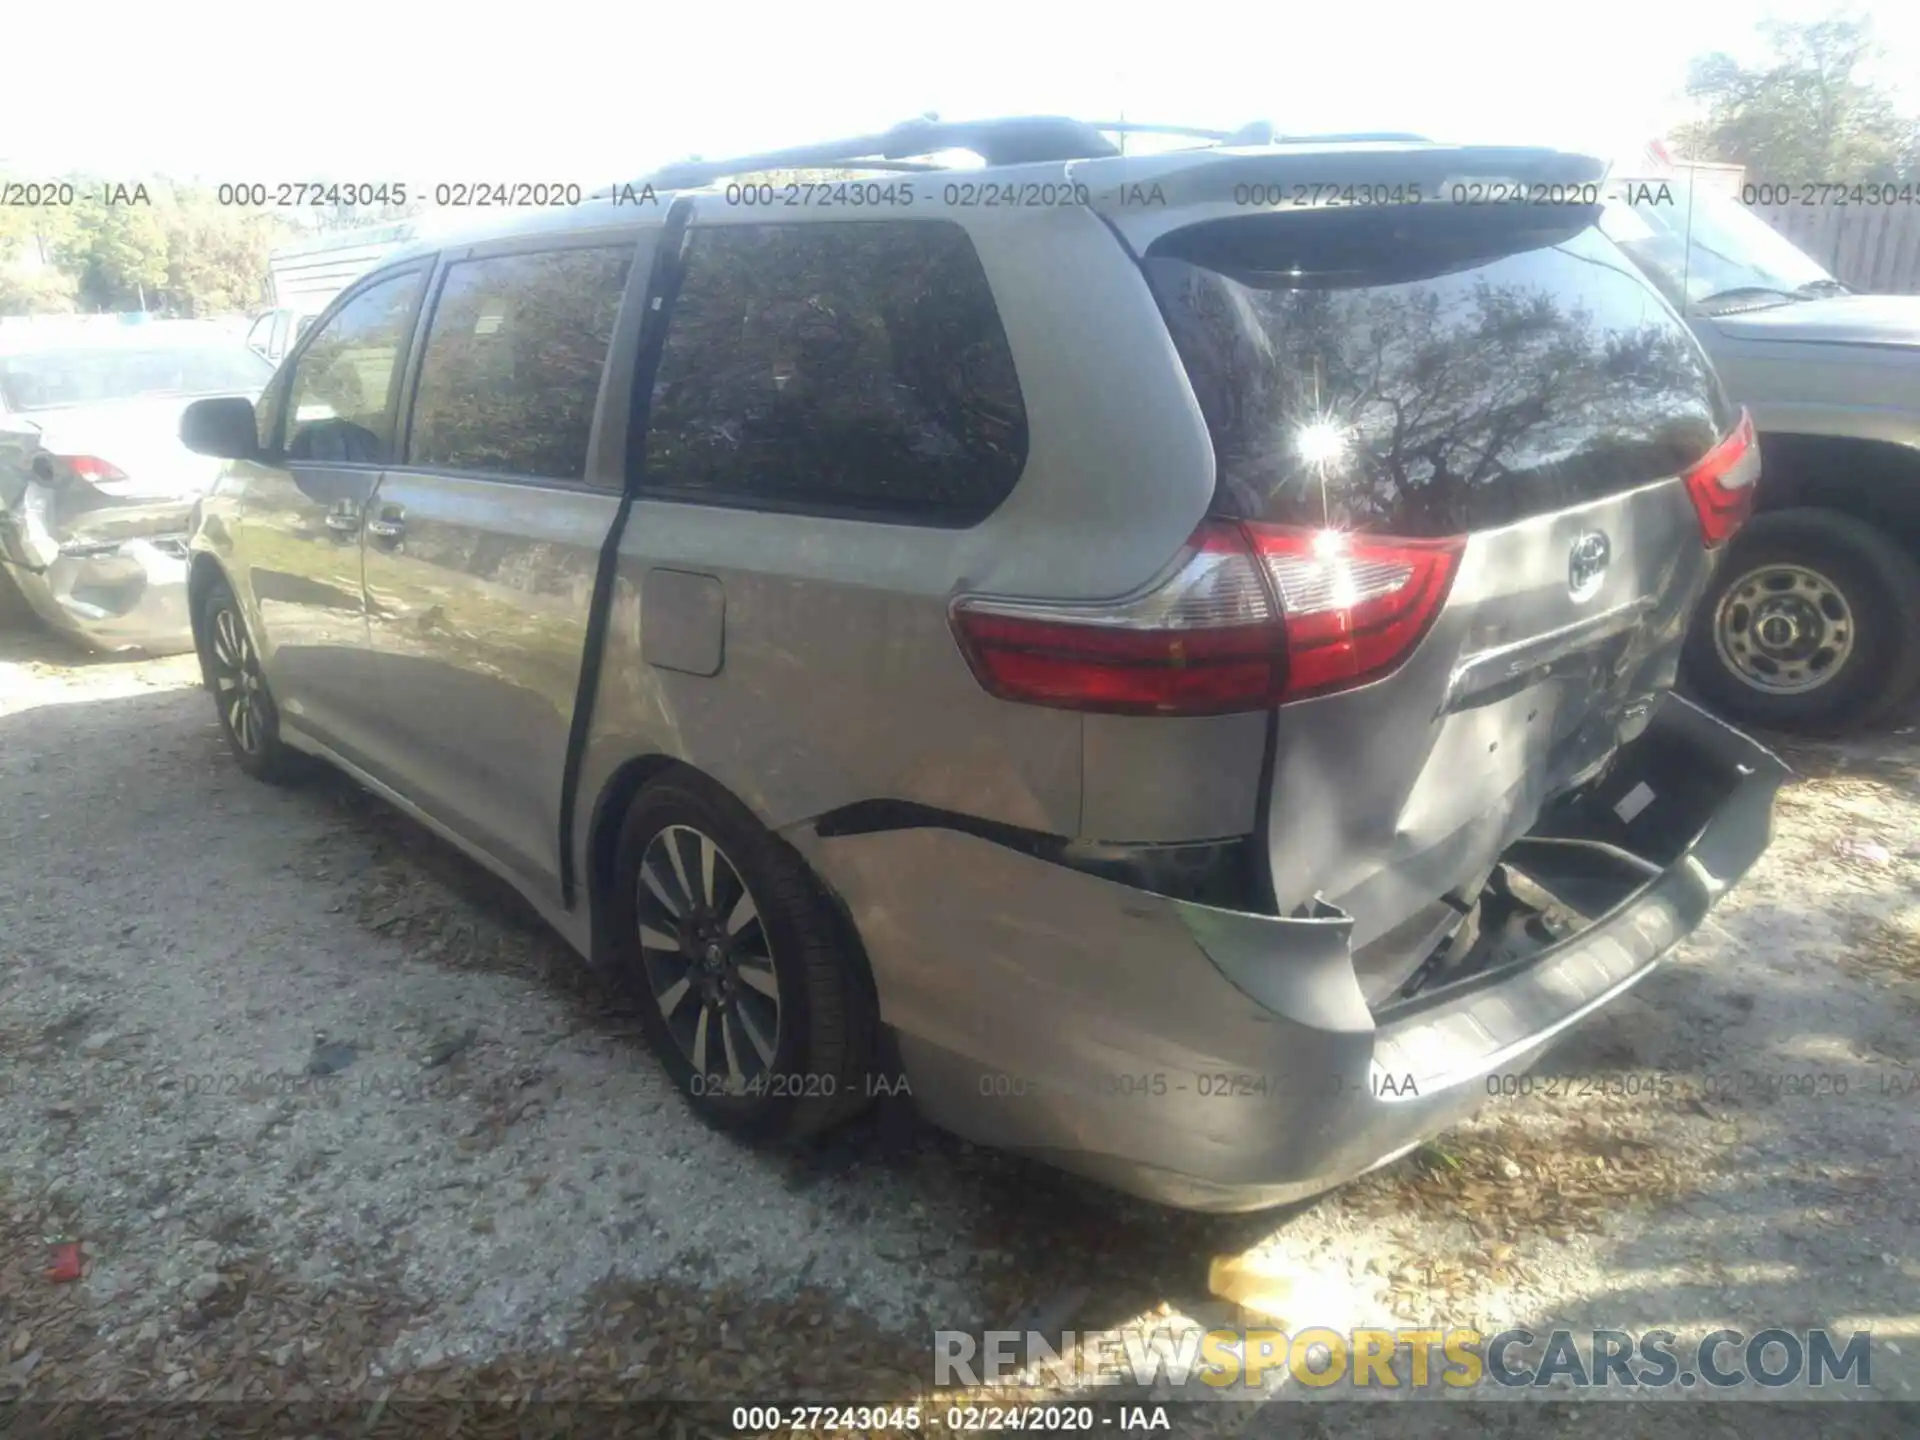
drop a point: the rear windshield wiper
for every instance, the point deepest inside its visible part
(1741, 293)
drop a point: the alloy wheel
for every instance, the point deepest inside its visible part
(238, 686)
(709, 961)
(1784, 629)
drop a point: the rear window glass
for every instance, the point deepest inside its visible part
(100, 376)
(1426, 374)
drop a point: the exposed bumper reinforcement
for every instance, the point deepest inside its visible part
(1221, 1060)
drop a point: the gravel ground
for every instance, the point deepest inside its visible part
(333, 1116)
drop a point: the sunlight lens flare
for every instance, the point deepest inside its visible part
(1321, 443)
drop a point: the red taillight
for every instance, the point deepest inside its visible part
(1355, 605)
(1722, 483)
(89, 467)
(1204, 641)
(1252, 616)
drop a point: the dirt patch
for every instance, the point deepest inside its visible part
(239, 1328)
(1889, 951)
(1515, 1179)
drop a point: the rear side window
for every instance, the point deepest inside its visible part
(343, 383)
(837, 368)
(1426, 373)
(511, 369)
(260, 337)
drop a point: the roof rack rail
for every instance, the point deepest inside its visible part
(1018, 140)
(1015, 140)
(1354, 137)
(1258, 132)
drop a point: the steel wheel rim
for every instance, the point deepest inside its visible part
(709, 962)
(237, 686)
(1784, 629)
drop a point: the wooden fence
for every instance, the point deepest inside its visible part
(1875, 248)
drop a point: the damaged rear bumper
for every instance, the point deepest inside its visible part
(1221, 1060)
(129, 595)
(103, 563)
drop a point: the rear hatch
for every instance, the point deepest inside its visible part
(1453, 421)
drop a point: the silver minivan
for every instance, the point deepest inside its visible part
(1164, 659)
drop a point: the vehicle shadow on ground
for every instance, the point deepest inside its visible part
(1059, 1252)
(25, 645)
(24, 640)
(1057, 1244)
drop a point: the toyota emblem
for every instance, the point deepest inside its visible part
(1587, 565)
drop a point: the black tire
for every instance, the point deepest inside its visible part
(1873, 578)
(825, 1024)
(15, 613)
(230, 663)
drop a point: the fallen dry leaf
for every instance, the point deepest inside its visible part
(1260, 1284)
(1515, 1181)
(67, 1264)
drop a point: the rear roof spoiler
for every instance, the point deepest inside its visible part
(1147, 196)
(1254, 153)
(1342, 160)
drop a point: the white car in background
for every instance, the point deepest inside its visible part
(274, 332)
(96, 490)
(303, 278)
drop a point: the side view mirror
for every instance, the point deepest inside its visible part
(223, 427)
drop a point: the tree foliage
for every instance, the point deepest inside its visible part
(217, 258)
(331, 219)
(152, 245)
(1808, 114)
(117, 253)
(36, 290)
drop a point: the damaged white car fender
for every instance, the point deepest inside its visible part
(97, 492)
